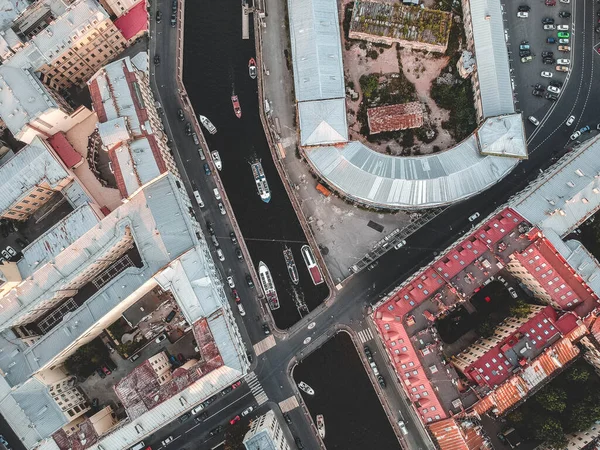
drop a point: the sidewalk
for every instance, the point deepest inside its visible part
(341, 230)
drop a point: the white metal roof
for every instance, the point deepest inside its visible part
(113, 132)
(409, 182)
(323, 122)
(580, 259)
(9, 10)
(137, 163)
(567, 194)
(492, 58)
(34, 164)
(23, 98)
(503, 136)
(57, 239)
(316, 49)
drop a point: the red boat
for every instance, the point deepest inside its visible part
(236, 106)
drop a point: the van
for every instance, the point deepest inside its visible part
(198, 199)
(217, 195)
(138, 446)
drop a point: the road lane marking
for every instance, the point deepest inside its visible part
(264, 345)
(365, 335)
(289, 404)
(219, 411)
(256, 388)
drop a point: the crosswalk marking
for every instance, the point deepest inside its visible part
(256, 388)
(264, 345)
(289, 404)
(365, 335)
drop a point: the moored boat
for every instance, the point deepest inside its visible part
(291, 264)
(217, 159)
(266, 280)
(321, 425)
(261, 182)
(207, 124)
(237, 109)
(306, 388)
(311, 264)
(252, 68)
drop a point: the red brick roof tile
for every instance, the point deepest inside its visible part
(395, 117)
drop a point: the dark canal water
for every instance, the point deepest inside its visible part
(216, 67)
(354, 418)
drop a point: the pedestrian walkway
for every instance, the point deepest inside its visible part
(256, 388)
(289, 404)
(264, 345)
(365, 335)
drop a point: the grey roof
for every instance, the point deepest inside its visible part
(567, 194)
(260, 441)
(323, 122)
(32, 406)
(76, 194)
(57, 239)
(412, 182)
(503, 136)
(13, 363)
(32, 165)
(113, 131)
(580, 259)
(137, 163)
(492, 58)
(23, 98)
(316, 49)
(9, 10)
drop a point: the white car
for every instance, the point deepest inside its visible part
(400, 244)
(570, 121)
(549, 26)
(565, 1)
(402, 427)
(563, 28)
(222, 208)
(575, 135)
(512, 292)
(563, 61)
(473, 217)
(563, 41)
(160, 338)
(247, 411)
(241, 309)
(197, 409)
(11, 250)
(522, 15)
(167, 441)
(533, 120)
(230, 282)
(546, 74)
(220, 255)
(217, 195)
(554, 89)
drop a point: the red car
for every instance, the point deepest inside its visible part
(234, 420)
(550, 2)
(106, 370)
(235, 294)
(236, 385)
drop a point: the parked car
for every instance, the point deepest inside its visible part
(548, 21)
(180, 115)
(222, 208)
(534, 121)
(402, 427)
(215, 431)
(106, 370)
(161, 337)
(562, 68)
(549, 60)
(381, 381)
(368, 352)
(524, 46)
(95, 403)
(550, 2)
(249, 281)
(181, 358)
(549, 27)
(565, 1)
(170, 316)
(523, 53)
(227, 390)
(563, 61)
(156, 60)
(235, 295)
(201, 418)
(167, 441)
(400, 244)
(11, 250)
(287, 418)
(235, 419)
(551, 40)
(233, 238)
(188, 129)
(158, 16)
(556, 83)
(241, 309)
(563, 27)
(527, 59)
(237, 384)
(524, 8)
(553, 89)
(209, 227)
(547, 54)
(220, 255)
(564, 48)
(563, 35)
(537, 93)
(132, 358)
(570, 121)
(266, 329)
(546, 74)
(575, 135)
(247, 411)
(230, 282)
(299, 444)
(522, 15)
(100, 373)
(563, 41)
(185, 417)
(238, 254)
(207, 169)
(552, 97)
(585, 129)
(197, 409)
(217, 194)
(512, 292)
(473, 217)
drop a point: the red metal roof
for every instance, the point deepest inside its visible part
(499, 226)
(65, 150)
(453, 435)
(395, 117)
(553, 273)
(133, 21)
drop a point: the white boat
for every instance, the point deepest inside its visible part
(306, 388)
(311, 264)
(321, 425)
(261, 182)
(207, 124)
(217, 160)
(268, 285)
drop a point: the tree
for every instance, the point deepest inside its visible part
(551, 432)
(87, 359)
(520, 309)
(578, 374)
(486, 329)
(234, 436)
(552, 399)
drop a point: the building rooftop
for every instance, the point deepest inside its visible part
(409, 182)
(35, 164)
(134, 165)
(395, 117)
(401, 23)
(492, 58)
(9, 10)
(316, 50)
(65, 150)
(456, 434)
(133, 21)
(567, 194)
(113, 132)
(323, 122)
(503, 136)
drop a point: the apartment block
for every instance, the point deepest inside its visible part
(68, 300)
(119, 7)
(266, 434)
(129, 125)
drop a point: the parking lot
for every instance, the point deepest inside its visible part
(531, 29)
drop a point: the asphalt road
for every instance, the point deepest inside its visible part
(546, 143)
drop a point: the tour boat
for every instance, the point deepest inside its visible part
(252, 68)
(268, 285)
(217, 159)
(311, 264)
(321, 425)
(291, 264)
(207, 124)
(236, 106)
(306, 388)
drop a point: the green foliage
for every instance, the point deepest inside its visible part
(486, 329)
(520, 309)
(551, 432)
(234, 436)
(552, 398)
(369, 85)
(372, 54)
(87, 359)
(578, 374)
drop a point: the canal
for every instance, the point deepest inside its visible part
(344, 395)
(215, 68)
